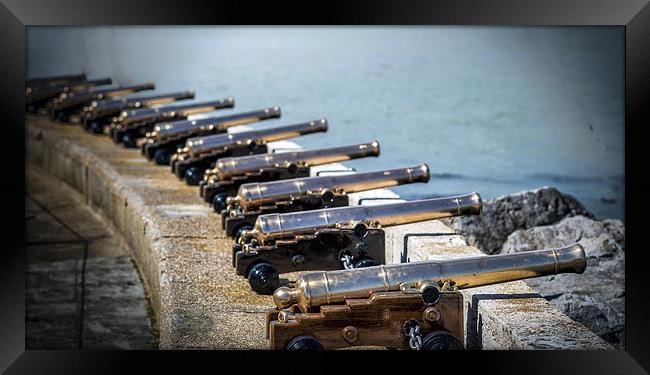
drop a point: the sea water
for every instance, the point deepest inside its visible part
(495, 110)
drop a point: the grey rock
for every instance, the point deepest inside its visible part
(600, 238)
(502, 216)
(595, 298)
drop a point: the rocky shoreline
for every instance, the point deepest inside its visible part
(548, 218)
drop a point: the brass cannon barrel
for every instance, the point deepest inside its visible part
(54, 80)
(201, 145)
(136, 115)
(274, 226)
(314, 289)
(50, 91)
(72, 99)
(257, 194)
(228, 167)
(125, 90)
(187, 127)
(113, 105)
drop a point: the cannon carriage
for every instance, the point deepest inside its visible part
(308, 193)
(131, 125)
(404, 306)
(191, 161)
(100, 113)
(40, 94)
(229, 174)
(166, 138)
(71, 103)
(333, 238)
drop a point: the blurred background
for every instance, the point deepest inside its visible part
(491, 109)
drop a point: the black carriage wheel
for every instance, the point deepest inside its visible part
(292, 168)
(263, 278)
(327, 197)
(304, 343)
(62, 117)
(219, 202)
(96, 127)
(162, 156)
(128, 140)
(441, 340)
(193, 176)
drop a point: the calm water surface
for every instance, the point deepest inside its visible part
(491, 109)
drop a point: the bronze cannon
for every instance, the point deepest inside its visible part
(409, 305)
(38, 96)
(229, 174)
(133, 124)
(190, 162)
(331, 238)
(38, 82)
(166, 137)
(100, 113)
(68, 104)
(308, 193)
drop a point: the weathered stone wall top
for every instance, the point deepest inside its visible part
(185, 258)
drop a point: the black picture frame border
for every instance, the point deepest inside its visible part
(634, 15)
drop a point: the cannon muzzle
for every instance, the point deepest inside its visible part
(275, 226)
(228, 167)
(314, 289)
(258, 194)
(201, 145)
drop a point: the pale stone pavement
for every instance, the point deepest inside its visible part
(82, 289)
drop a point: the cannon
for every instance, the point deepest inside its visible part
(39, 97)
(191, 161)
(404, 306)
(100, 113)
(53, 80)
(229, 174)
(165, 138)
(309, 193)
(133, 124)
(68, 104)
(331, 238)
